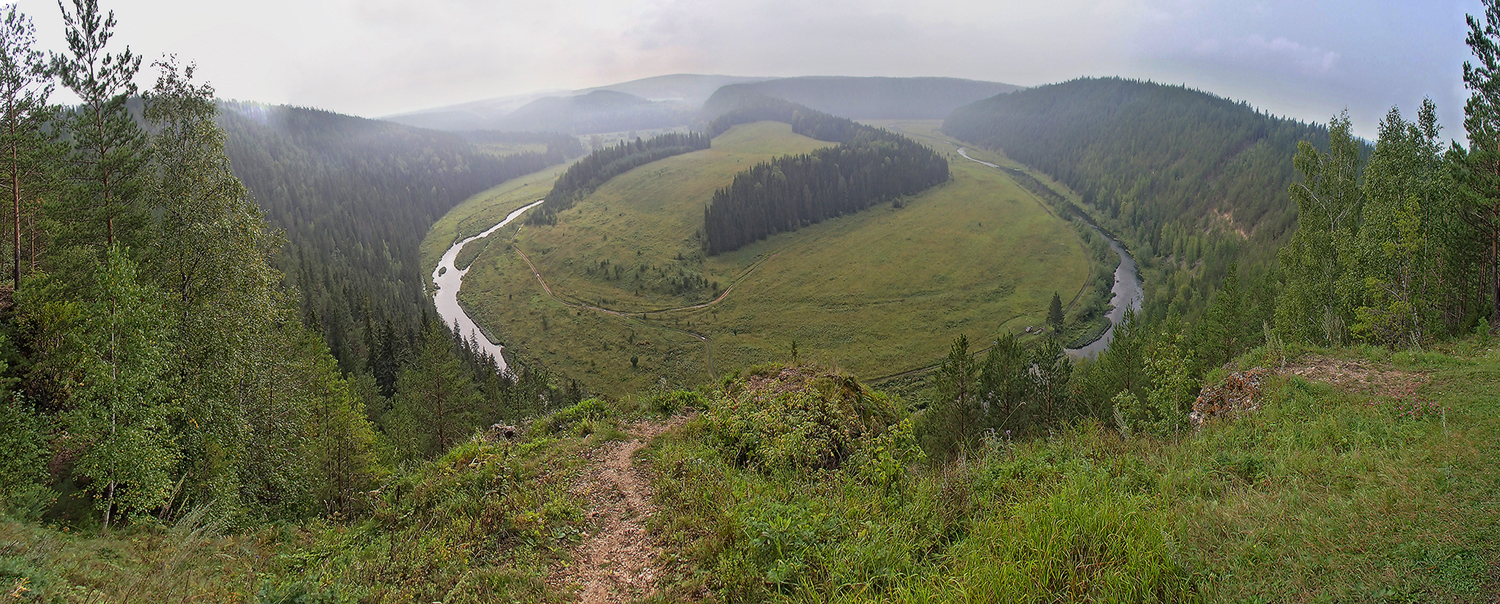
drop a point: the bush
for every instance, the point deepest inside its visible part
(798, 418)
(566, 418)
(667, 403)
(23, 458)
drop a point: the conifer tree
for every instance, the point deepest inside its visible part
(1480, 199)
(1055, 312)
(104, 205)
(25, 150)
(435, 400)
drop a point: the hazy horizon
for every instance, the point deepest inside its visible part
(1302, 60)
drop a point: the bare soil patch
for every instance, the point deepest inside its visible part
(618, 562)
(1360, 376)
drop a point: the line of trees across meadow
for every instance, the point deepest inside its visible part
(868, 166)
(589, 173)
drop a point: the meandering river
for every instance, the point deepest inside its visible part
(1126, 294)
(448, 278)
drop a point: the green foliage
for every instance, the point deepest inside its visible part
(587, 174)
(106, 166)
(569, 418)
(27, 151)
(1479, 168)
(797, 418)
(1181, 175)
(23, 458)
(436, 402)
(353, 198)
(1167, 368)
(869, 166)
(1014, 391)
(1406, 199)
(1055, 312)
(676, 401)
(105, 359)
(1319, 263)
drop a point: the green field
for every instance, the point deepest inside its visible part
(878, 292)
(482, 211)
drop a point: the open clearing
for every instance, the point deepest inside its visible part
(876, 292)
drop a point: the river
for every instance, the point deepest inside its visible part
(1126, 294)
(448, 279)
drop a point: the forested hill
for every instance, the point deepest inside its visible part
(865, 98)
(597, 111)
(354, 198)
(1161, 165)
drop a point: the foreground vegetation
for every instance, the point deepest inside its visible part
(795, 483)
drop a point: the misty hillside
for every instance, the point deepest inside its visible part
(868, 98)
(353, 197)
(1160, 165)
(597, 111)
(689, 90)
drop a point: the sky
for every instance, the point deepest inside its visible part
(1305, 59)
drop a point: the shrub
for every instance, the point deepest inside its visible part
(566, 418)
(668, 403)
(796, 418)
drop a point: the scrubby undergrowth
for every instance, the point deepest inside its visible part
(799, 484)
(1324, 493)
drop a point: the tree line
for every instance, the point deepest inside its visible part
(1394, 245)
(152, 358)
(1191, 181)
(867, 167)
(583, 177)
(351, 196)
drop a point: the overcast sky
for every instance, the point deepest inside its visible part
(1306, 59)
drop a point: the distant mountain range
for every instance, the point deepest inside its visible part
(682, 99)
(869, 98)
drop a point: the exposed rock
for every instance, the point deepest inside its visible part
(1238, 393)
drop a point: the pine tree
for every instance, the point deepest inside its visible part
(436, 400)
(26, 153)
(105, 203)
(1480, 201)
(1055, 312)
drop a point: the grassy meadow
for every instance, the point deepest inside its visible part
(877, 292)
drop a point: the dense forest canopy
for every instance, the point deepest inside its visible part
(352, 197)
(213, 334)
(601, 165)
(1186, 174)
(871, 98)
(868, 166)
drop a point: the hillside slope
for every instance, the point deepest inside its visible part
(597, 111)
(870, 98)
(1181, 174)
(353, 198)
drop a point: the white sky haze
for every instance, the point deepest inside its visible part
(1305, 59)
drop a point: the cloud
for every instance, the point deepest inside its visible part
(1255, 51)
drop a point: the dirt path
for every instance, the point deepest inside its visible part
(618, 563)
